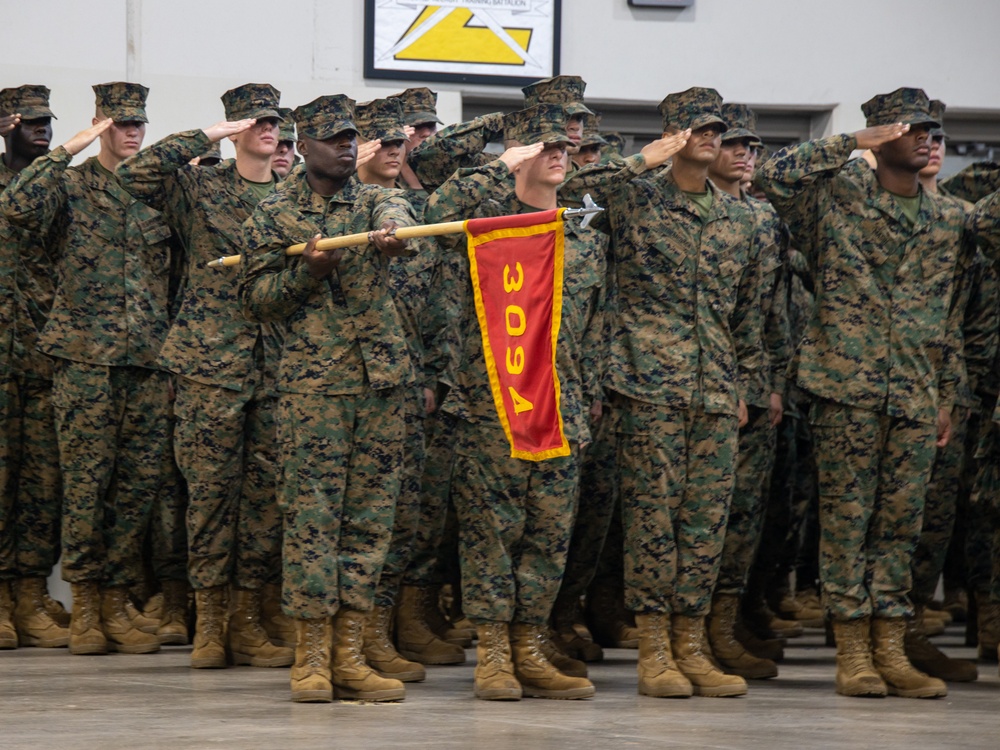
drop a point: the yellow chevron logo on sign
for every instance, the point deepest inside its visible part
(456, 35)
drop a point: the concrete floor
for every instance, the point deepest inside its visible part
(50, 699)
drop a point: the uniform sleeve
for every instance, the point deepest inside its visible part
(954, 374)
(434, 327)
(460, 195)
(593, 347)
(156, 175)
(746, 320)
(797, 179)
(35, 199)
(981, 328)
(455, 147)
(984, 224)
(272, 285)
(974, 182)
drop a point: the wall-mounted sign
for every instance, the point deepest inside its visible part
(507, 42)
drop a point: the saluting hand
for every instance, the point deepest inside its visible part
(8, 123)
(657, 152)
(84, 138)
(876, 136)
(227, 128)
(367, 151)
(515, 156)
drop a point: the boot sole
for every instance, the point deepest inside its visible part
(929, 668)
(246, 660)
(208, 664)
(312, 696)
(726, 691)
(920, 693)
(7, 644)
(88, 649)
(120, 648)
(560, 695)
(500, 694)
(436, 662)
(412, 676)
(862, 693)
(29, 641)
(172, 639)
(678, 692)
(373, 696)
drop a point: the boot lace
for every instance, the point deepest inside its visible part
(316, 656)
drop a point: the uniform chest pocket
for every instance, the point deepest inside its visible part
(154, 230)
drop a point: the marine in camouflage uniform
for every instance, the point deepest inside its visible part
(684, 348)
(225, 381)
(515, 516)
(105, 329)
(31, 493)
(881, 356)
(757, 438)
(343, 379)
(285, 159)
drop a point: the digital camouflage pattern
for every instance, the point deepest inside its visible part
(110, 306)
(325, 116)
(741, 122)
(515, 521)
(880, 337)
(31, 101)
(540, 123)
(694, 108)
(252, 101)
(564, 91)
(973, 183)
(340, 460)
(419, 105)
(380, 119)
(676, 479)
(873, 473)
(112, 426)
(122, 101)
(906, 105)
(455, 147)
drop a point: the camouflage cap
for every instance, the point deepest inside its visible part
(742, 122)
(564, 90)
(325, 116)
(286, 128)
(419, 106)
(908, 106)
(616, 142)
(542, 123)
(591, 133)
(30, 101)
(694, 108)
(381, 119)
(937, 109)
(121, 101)
(251, 101)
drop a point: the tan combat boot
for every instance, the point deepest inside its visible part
(892, 665)
(856, 675)
(310, 674)
(414, 637)
(729, 652)
(381, 655)
(353, 679)
(988, 626)
(607, 619)
(86, 636)
(122, 634)
(8, 635)
(567, 621)
(686, 639)
(56, 610)
(247, 643)
(209, 650)
(556, 652)
(772, 648)
(279, 626)
(35, 626)
(659, 676)
(140, 621)
(494, 674)
(173, 614)
(926, 657)
(539, 678)
(457, 627)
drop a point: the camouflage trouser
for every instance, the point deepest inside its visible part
(225, 448)
(755, 459)
(167, 541)
(676, 478)
(940, 509)
(404, 530)
(873, 475)
(595, 509)
(426, 567)
(515, 520)
(32, 490)
(340, 459)
(112, 427)
(983, 542)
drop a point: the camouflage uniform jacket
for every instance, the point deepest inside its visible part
(687, 309)
(210, 341)
(32, 262)
(342, 332)
(984, 224)
(801, 302)
(980, 333)
(973, 183)
(110, 305)
(489, 191)
(773, 239)
(882, 336)
(455, 147)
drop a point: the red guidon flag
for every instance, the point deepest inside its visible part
(517, 281)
